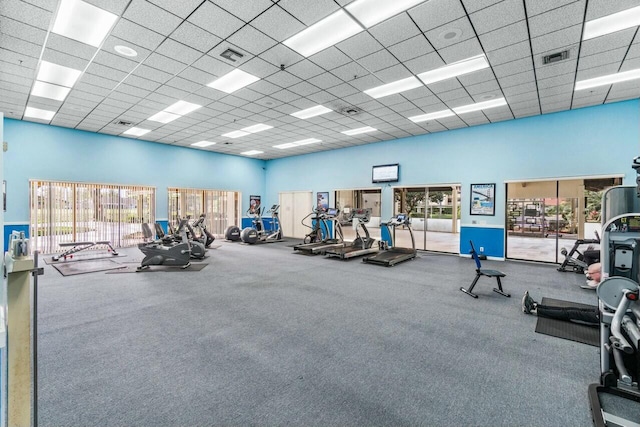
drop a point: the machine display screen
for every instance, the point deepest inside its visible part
(401, 217)
(332, 212)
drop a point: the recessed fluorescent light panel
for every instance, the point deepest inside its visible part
(57, 74)
(83, 22)
(612, 23)
(37, 113)
(359, 130)
(311, 112)
(182, 108)
(164, 117)
(203, 143)
(231, 82)
(235, 134)
(394, 87)
(136, 131)
(371, 12)
(297, 143)
(432, 116)
(456, 69)
(331, 30)
(256, 128)
(608, 79)
(47, 90)
(251, 152)
(480, 106)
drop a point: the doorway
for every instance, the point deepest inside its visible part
(294, 207)
(435, 217)
(542, 217)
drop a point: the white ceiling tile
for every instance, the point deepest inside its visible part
(395, 30)
(183, 8)
(609, 41)
(20, 46)
(152, 74)
(613, 56)
(513, 67)
(462, 50)
(475, 5)
(424, 63)
(557, 19)
(536, 7)
(64, 59)
(556, 69)
(178, 51)
(559, 80)
(114, 6)
(440, 37)
(278, 24)
(378, 61)
(309, 11)
(215, 20)
(27, 13)
(505, 36)
(498, 15)
(252, 40)
(509, 53)
(411, 48)
(435, 13)
(142, 82)
(331, 58)
(590, 73)
(630, 64)
(516, 79)
(281, 55)
(114, 61)
(213, 66)
(556, 40)
(152, 17)
(23, 31)
(166, 64)
(350, 71)
(136, 34)
(195, 37)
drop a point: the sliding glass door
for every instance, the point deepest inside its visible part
(434, 212)
(542, 217)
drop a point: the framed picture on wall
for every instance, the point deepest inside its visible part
(483, 199)
(322, 203)
(254, 204)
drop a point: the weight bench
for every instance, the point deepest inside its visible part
(484, 272)
(81, 246)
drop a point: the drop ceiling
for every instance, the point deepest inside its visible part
(179, 47)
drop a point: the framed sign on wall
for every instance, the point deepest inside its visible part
(483, 199)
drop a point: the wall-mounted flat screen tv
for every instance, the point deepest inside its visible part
(385, 173)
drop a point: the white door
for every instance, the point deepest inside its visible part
(294, 206)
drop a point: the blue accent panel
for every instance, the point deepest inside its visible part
(385, 235)
(17, 227)
(491, 239)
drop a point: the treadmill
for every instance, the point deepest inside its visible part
(392, 255)
(362, 245)
(320, 247)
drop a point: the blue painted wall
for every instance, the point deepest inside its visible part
(598, 140)
(38, 151)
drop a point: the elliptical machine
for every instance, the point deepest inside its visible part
(258, 233)
(158, 253)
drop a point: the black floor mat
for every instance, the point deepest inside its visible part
(87, 266)
(83, 257)
(567, 330)
(154, 268)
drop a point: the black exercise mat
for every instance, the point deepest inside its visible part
(153, 268)
(568, 330)
(87, 266)
(48, 259)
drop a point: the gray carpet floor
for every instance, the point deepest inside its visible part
(264, 336)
